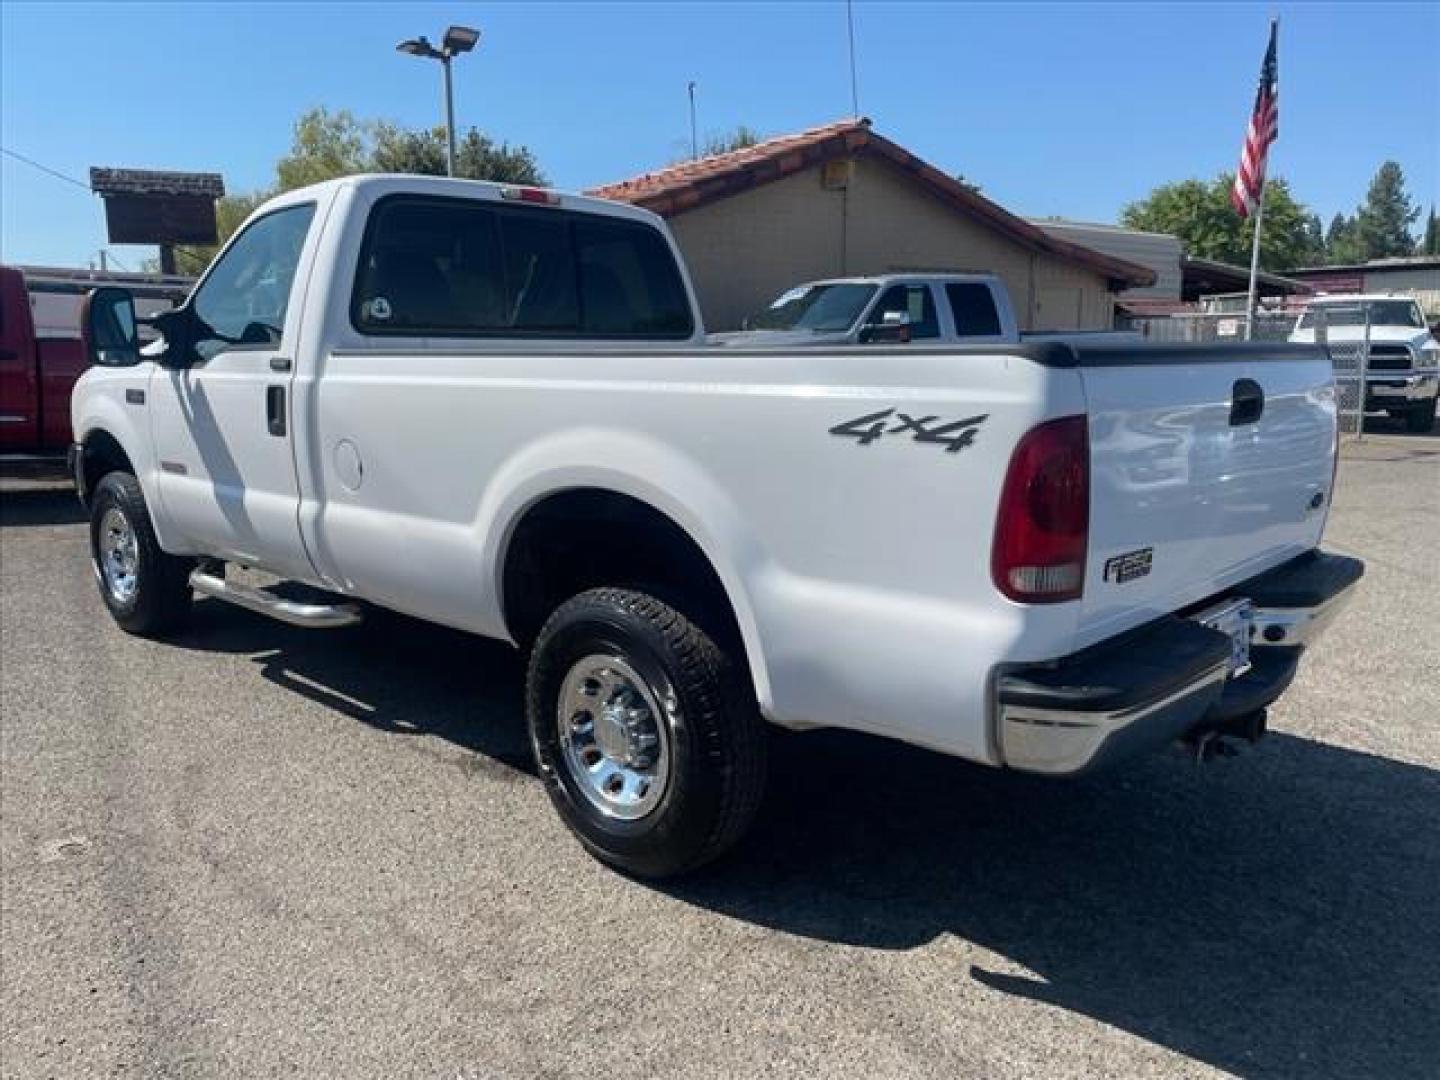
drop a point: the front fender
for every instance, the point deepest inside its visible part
(99, 403)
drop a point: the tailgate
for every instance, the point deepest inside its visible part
(1192, 492)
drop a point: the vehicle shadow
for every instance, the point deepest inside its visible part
(25, 502)
(1273, 915)
(392, 673)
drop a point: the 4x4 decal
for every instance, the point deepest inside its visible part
(954, 435)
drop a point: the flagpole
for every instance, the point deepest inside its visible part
(1250, 298)
(1255, 263)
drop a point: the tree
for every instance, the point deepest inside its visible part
(1383, 222)
(1342, 244)
(325, 145)
(477, 157)
(968, 184)
(1200, 214)
(1430, 244)
(328, 144)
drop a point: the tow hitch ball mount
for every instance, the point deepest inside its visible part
(1212, 741)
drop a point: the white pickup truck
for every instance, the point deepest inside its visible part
(887, 309)
(1403, 366)
(492, 407)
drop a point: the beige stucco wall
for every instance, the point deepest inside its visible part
(744, 250)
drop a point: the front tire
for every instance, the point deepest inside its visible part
(147, 591)
(645, 732)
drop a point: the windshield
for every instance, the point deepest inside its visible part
(817, 308)
(1382, 313)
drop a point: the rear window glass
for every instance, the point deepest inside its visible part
(973, 306)
(461, 267)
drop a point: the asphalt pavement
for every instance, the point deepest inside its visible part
(260, 851)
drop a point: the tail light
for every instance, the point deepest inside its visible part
(1044, 519)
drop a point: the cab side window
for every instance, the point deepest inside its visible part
(243, 300)
(913, 300)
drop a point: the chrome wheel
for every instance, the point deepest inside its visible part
(119, 556)
(613, 736)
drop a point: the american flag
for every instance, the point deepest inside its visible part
(1263, 130)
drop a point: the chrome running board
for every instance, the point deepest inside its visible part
(296, 613)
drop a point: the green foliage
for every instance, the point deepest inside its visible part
(738, 139)
(968, 184)
(400, 150)
(1383, 222)
(1342, 242)
(1430, 244)
(1201, 215)
(328, 144)
(325, 145)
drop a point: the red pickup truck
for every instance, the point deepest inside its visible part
(41, 355)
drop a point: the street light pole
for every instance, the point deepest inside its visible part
(449, 118)
(457, 40)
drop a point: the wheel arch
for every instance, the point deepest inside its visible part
(637, 492)
(100, 453)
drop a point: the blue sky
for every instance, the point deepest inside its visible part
(1066, 109)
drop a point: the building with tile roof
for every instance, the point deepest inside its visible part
(842, 200)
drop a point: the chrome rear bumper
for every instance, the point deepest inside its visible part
(1170, 678)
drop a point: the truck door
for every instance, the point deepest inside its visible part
(222, 427)
(19, 375)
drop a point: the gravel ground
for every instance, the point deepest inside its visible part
(258, 851)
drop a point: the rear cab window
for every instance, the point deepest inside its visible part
(972, 305)
(435, 266)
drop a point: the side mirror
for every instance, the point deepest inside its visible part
(109, 329)
(892, 329)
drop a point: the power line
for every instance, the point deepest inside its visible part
(197, 256)
(44, 168)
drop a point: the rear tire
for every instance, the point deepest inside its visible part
(146, 590)
(645, 731)
(1421, 418)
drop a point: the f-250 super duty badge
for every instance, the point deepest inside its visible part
(954, 435)
(1128, 567)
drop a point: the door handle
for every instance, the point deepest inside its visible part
(275, 410)
(1247, 402)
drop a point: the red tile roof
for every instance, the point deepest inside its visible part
(678, 188)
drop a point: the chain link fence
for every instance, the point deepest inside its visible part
(1212, 326)
(1349, 356)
